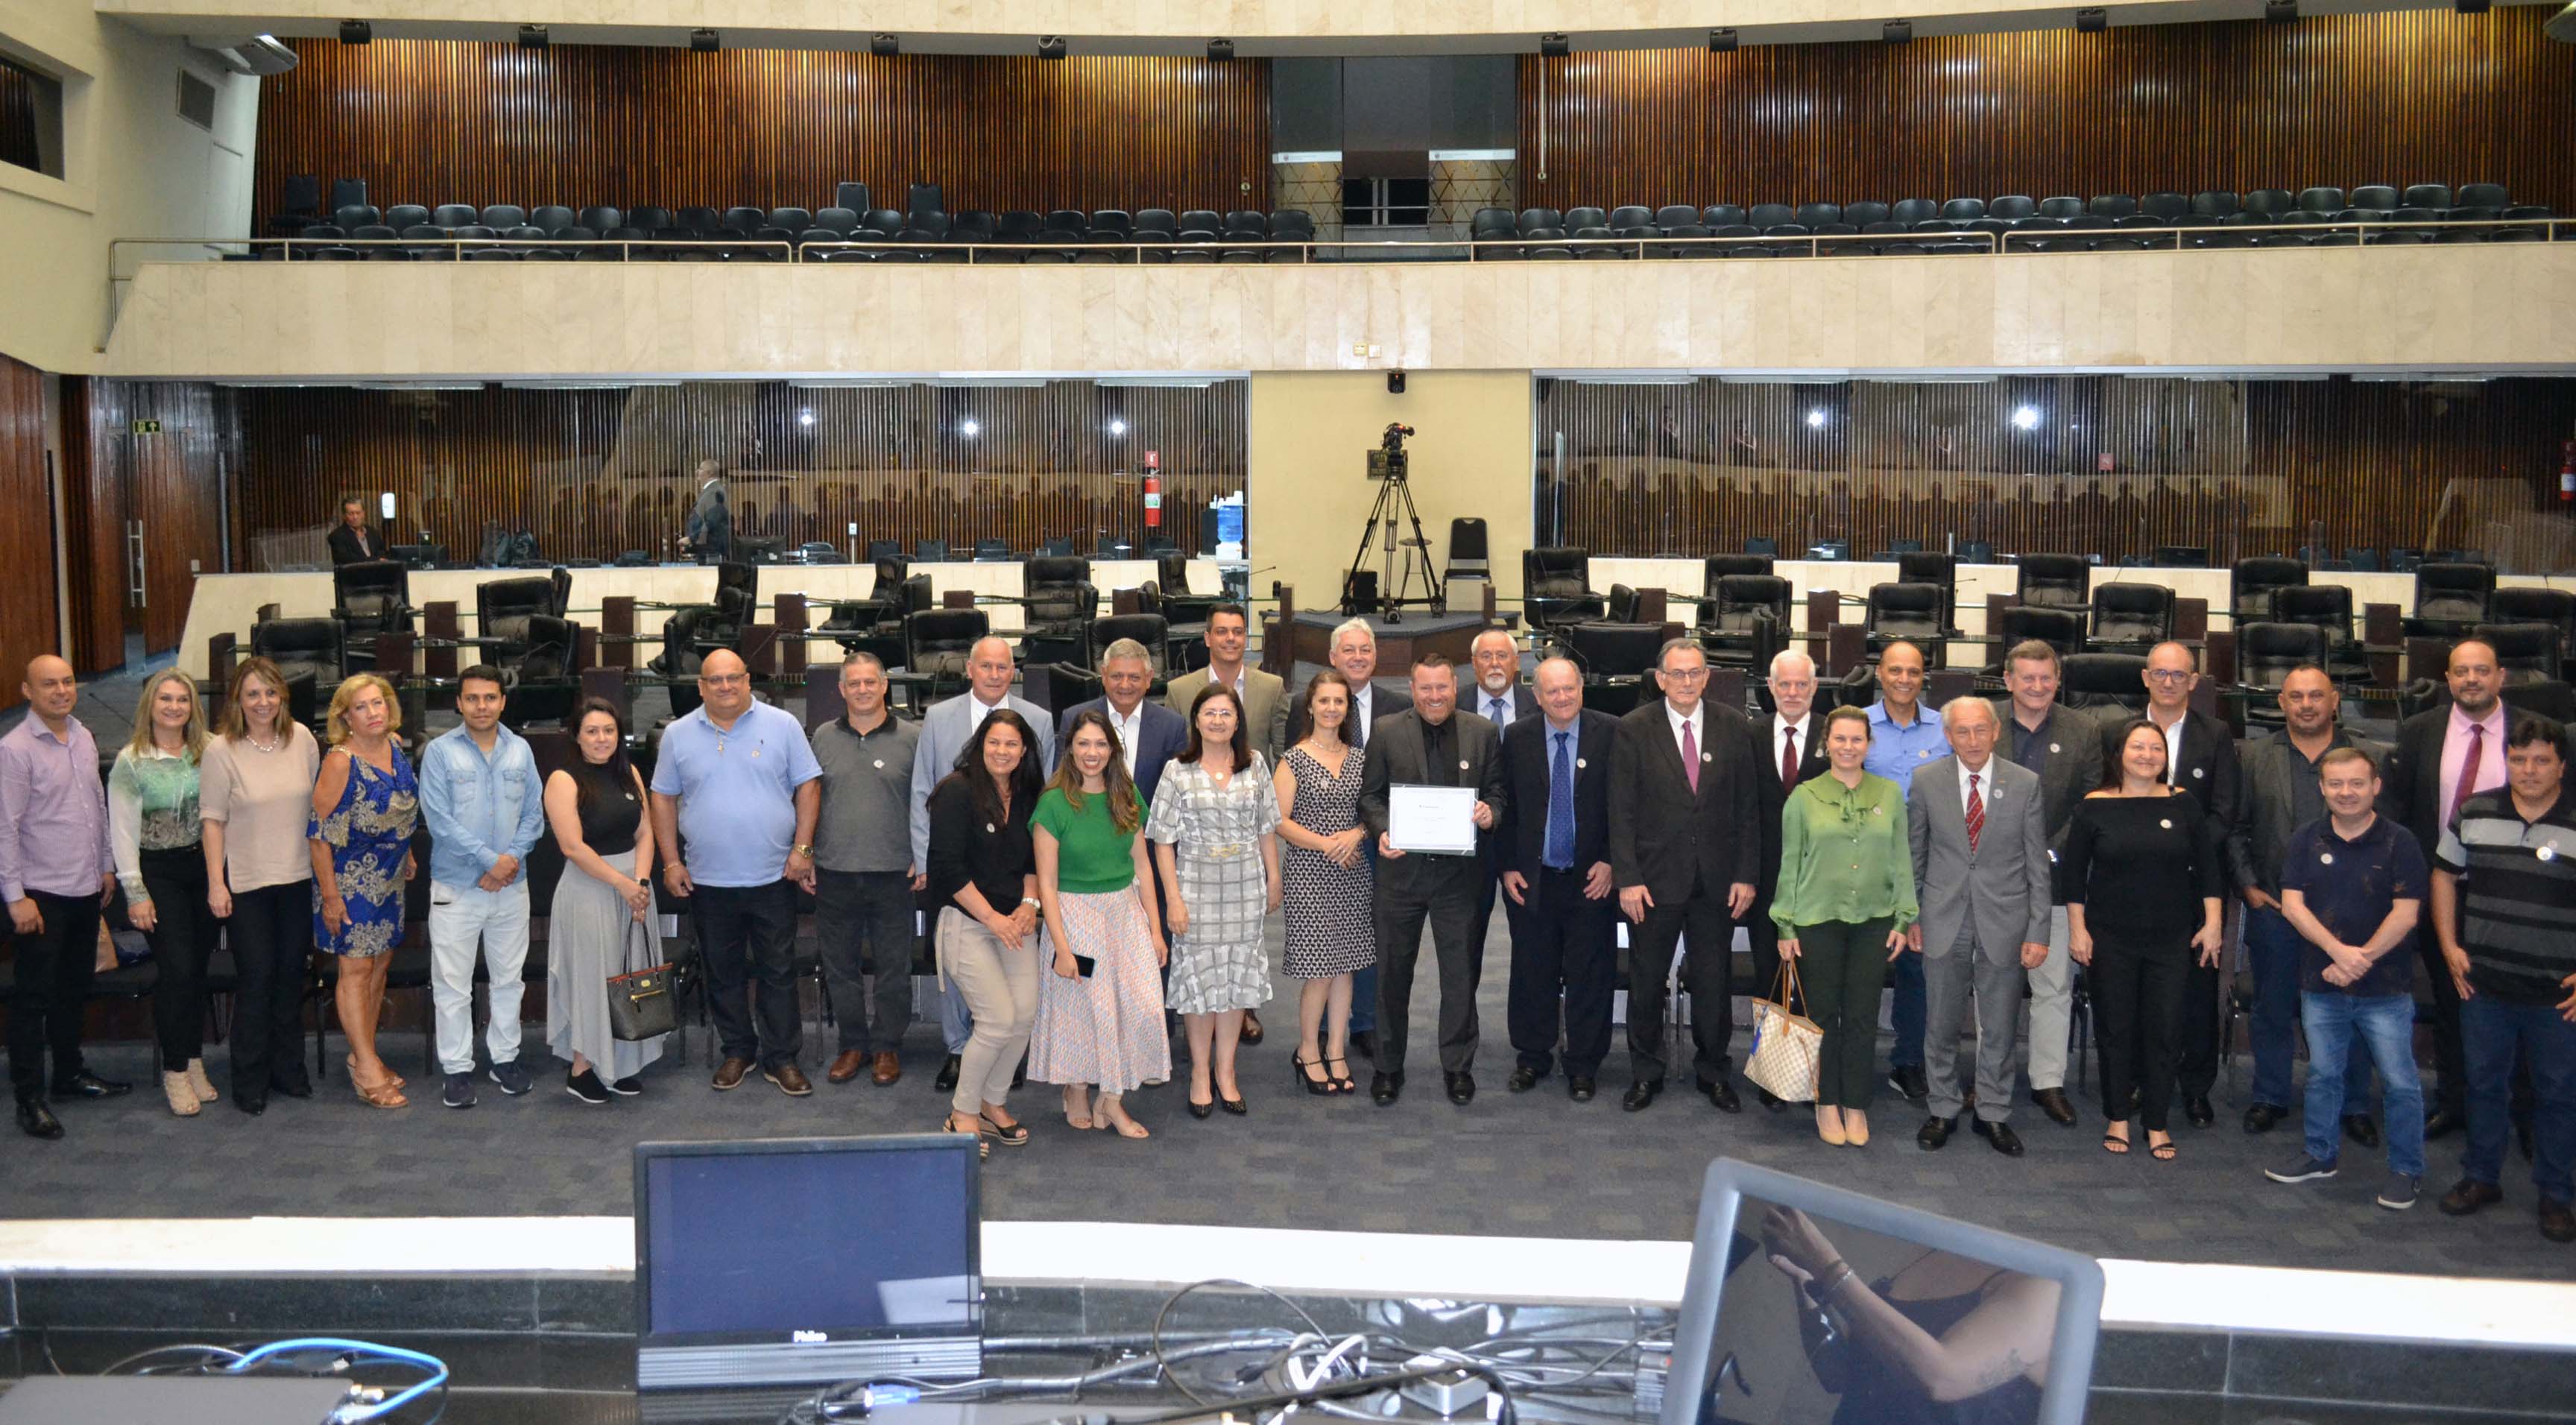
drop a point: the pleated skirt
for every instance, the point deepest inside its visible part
(1107, 1029)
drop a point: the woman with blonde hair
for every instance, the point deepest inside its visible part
(157, 835)
(1100, 1014)
(255, 793)
(366, 805)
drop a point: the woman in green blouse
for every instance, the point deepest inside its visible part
(1845, 899)
(154, 828)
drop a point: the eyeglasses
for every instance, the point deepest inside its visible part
(2169, 675)
(1685, 675)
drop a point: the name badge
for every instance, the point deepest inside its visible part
(2053, 747)
(2325, 858)
(880, 764)
(1462, 764)
(2198, 772)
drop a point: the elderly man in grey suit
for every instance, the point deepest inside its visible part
(1979, 828)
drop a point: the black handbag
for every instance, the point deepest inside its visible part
(639, 1002)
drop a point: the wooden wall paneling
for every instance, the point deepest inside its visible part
(94, 515)
(28, 614)
(19, 128)
(2408, 96)
(173, 482)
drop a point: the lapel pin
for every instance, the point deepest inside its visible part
(2197, 773)
(2549, 852)
(1580, 764)
(2166, 824)
(2325, 858)
(2053, 747)
(988, 828)
(880, 764)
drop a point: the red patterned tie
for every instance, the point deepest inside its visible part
(1789, 758)
(1976, 813)
(2468, 786)
(1690, 756)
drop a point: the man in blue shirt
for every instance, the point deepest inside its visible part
(736, 791)
(486, 807)
(1903, 735)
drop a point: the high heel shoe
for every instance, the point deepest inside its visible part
(1298, 1066)
(383, 1093)
(1201, 1110)
(1342, 1082)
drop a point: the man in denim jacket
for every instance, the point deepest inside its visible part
(480, 791)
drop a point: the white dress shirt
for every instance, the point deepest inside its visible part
(1130, 729)
(1781, 727)
(1696, 720)
(1486, 699)
(1985, 785)
(2173, 745)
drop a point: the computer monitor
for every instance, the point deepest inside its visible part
(806, 1261)
(1936, 1321)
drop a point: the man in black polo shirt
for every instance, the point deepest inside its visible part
(2504, 905)
(2352, 885)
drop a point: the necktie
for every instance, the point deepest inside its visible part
(1976, 813)
(1497, 712)
(1690, 756)
(1560, 808)
(1789, 759)
(1360, 733)
(2468, 786)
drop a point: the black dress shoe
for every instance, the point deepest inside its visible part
(2468, 1195)
(1234, 1106)
(1523, 1079)
(1202, 1110)
(1641, 1093)
(1385, 1088)
(1934, 1132)
(2262, 1118)
(947, 1074)
(88, 1085)
(1910, 1080)
(1580, 1088)
(252, 1104)
(2196, 1108)
(2557, 1221)
(35, 1120)
(1770, 1100)
(1462, 1088)
(2054, 1103)
(2442, 1122)
(2005, 1141)
(1722, 1094)
(2362, 1129)
(1364, 1043)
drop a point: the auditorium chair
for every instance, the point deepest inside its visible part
(2061, 629)
(368, 598)
(688, 636)
(936, 646)
(1150, 629)
(2126, 615)
(2105, 684)
(2450, 599)
(309, 648)
(1911, 612)
(2266, 654)
(867, 623)
(1718, 566)
(2525, 652)
(1746, 621)
(2251, 582)
(2215, 203)
(1556, 587)
(543, 685)
(2329, 608)
(299, 205)
(1189, 611)
(2550, 606)
(2060, 207)
(2055, 581)
(1619, 605)
(1061, 604)
(1916, 566)
(1615, 659)
(502, 608)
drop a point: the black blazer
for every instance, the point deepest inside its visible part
(345, 548)
(1395, 754)
(1520, 839)
(2209, 771)
(1383, 702)
(2410, 785)
(1812, 763)
(1471, 698)
(1664, 838)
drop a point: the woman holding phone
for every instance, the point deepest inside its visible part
(1100, 1003)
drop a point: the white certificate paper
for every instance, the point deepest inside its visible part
(1438, 821)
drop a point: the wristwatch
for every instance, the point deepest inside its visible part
(1030, 900)
(806, 850)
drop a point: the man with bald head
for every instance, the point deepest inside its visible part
(945, 731)
(1904, 735)
(56, 872)
(1554, 849)
(2200, 758)
(736, 791)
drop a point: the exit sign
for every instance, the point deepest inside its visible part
(144, 427)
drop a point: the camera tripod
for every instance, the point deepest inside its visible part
(1394, 499)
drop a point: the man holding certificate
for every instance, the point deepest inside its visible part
(1433, 778)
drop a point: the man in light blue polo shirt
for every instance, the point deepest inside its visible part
(737, 781)
(1903, 735)
(485, 806)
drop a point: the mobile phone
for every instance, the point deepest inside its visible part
(1083, 966)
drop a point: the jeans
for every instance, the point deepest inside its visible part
(183, 935)
(2273, 948)
(1908, 1013)
(272, 939)
(52, 994)
(2385, 1025)
(461, 919)
(863, 926)
(2490, 1031)
(747, 944)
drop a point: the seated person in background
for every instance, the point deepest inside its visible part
(350, 540)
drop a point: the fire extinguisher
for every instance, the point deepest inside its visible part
(1153, 489)
(2567, 472)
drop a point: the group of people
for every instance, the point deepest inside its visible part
(1093, 876)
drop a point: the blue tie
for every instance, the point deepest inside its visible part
(1560, 809)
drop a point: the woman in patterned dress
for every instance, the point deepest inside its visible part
(365, 806)
(1102, 1024)
(1215, 826)
(1327, 879)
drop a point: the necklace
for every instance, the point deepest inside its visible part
(268, 746)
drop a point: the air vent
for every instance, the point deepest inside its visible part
(196, 100)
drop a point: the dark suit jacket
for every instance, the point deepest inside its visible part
(2209, 768)
(1665, 838)
(345, 548)
(1520, 838)
(1471, 698)
(2074, 768)
(1163, 736)
(1395, 755)
(1383, 702)
(1812, 762)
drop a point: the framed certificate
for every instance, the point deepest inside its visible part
(1433, 821)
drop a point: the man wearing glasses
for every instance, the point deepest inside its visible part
(2200, 758)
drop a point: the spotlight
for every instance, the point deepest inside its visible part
(1554, 45)
(1395, 383)
(2471, 7)
(1051, 47)
(2092, 20)
(704, 42)
(2025, 418)
(1721, 42)
(970, 428)
(1118, 425)
(1897, 32)
(356, 32)
(2281, 12)
(532, 37)
(805, 417)
(1816, 418)
(1221, 51)
(884, 46)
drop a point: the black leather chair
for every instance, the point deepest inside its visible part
(936, 644)
(502, 608)
(1187, 611)
(2055, 581)
(1616, 659)
(1061, 604)
(2132, 614)
(2061, 629)
(2450, 599)
(307, 647)
(1911, 612)
(1718, 566)
(1619, 605)
(1150, 629)
(688, 636)
(1556, 587)
(2266, 653)
(2329, 608)
(543, 685)
(880, 612)
(2550, 606)
(2250, 584)
(2526, 652)
(2105, 684)
(1747, 617)
(370, 597)
(1918, 567)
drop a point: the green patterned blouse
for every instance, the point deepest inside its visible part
(151, 806)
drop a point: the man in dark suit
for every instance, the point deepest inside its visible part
(1354, 656)
(1149, 734)
(1684, 779)
(2060, 745)
(1792, 753)
(1556, 882)
(1498, 697)
(2444, 755)
(350, 540)
(1431, 744)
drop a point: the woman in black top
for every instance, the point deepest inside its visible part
(2142, 889)
(603, 920)
(984, 878)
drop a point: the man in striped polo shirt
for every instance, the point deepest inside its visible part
(2504, 908)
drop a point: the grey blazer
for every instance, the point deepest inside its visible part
(2270, 767)
(2000, 891)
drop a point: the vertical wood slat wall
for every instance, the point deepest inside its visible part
(594, 473)
(2241, 468)
(27, 613)
(171, 480)
(435, 122)
(19, 122)
(2410, 96)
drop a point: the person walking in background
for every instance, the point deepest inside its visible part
(158, 836)
(1557, 882)
(366, 805)
(486, 808)
(255, 792)
(984, 875)
(1100, 1004)
(2142, 883)
(1326, 880)
(1215, 833)
(864, 874)
(596, 808)
(1843, 907)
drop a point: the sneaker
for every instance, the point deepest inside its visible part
(586, 1087)
(513, 1079)
(2305, 1170)
(460, 1091)
(627, 1087)
(2401, 1192)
